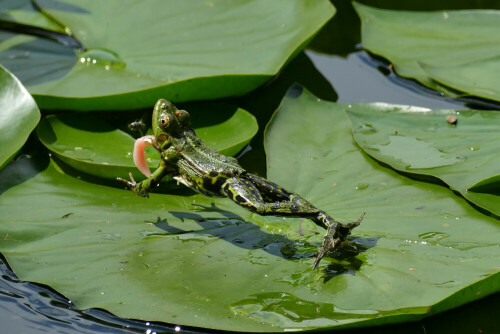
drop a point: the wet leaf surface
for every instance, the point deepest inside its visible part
(183, 51)
(463, 154)
(198, 261)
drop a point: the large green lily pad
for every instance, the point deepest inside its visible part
(421, 141)
(19, 115)
(184, 50)
(192, 260)
(457, 48)
(95, 147)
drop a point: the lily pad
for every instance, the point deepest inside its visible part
(19, 115)
(206, 262)
(421, 141)
(184, 50)
(457, 48)
(95, 147)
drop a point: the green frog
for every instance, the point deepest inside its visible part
(188, 160)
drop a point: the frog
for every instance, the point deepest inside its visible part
(188, 160)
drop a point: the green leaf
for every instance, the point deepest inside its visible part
(23, 12)
(19, 115)
(459, 48)
(206, 262)
(95, 147)
(184, 50)
(421, 141)
(475, 78)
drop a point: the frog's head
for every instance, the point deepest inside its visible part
(168, 120)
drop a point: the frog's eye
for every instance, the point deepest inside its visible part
(163, 121)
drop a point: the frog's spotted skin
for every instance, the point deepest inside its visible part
(188, 160)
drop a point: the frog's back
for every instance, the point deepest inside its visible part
(204, 169)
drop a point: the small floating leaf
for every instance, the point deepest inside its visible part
(457, 48)
(93, 146)
(19, 115)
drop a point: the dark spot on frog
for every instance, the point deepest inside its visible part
(240, 199)
(228, 192)
(213, 184)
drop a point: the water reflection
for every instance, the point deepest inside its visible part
(346, 261)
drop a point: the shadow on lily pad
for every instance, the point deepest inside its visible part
(235, 230)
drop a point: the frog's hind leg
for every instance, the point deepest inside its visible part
(246, 193)
(264, 197)
(273, 193)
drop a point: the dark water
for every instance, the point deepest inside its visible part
(334, 68)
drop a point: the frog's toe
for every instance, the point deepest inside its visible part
(130, 183)
(335, 236)
(330, 243)
(319, 255)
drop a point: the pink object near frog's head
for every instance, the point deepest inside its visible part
(139, 156)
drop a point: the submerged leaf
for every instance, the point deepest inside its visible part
(23, 12)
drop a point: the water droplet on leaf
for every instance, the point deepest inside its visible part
(102, 57)
(366, 129)
(474, 147)
(362, 186)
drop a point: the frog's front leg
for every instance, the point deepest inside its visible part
(144, 187)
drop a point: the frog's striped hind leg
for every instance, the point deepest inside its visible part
(271, 192)
(246, 194)
(255, 194)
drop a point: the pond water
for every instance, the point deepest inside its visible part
(338, 72)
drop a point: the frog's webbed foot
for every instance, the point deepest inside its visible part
(131, 184)
(336, 234)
